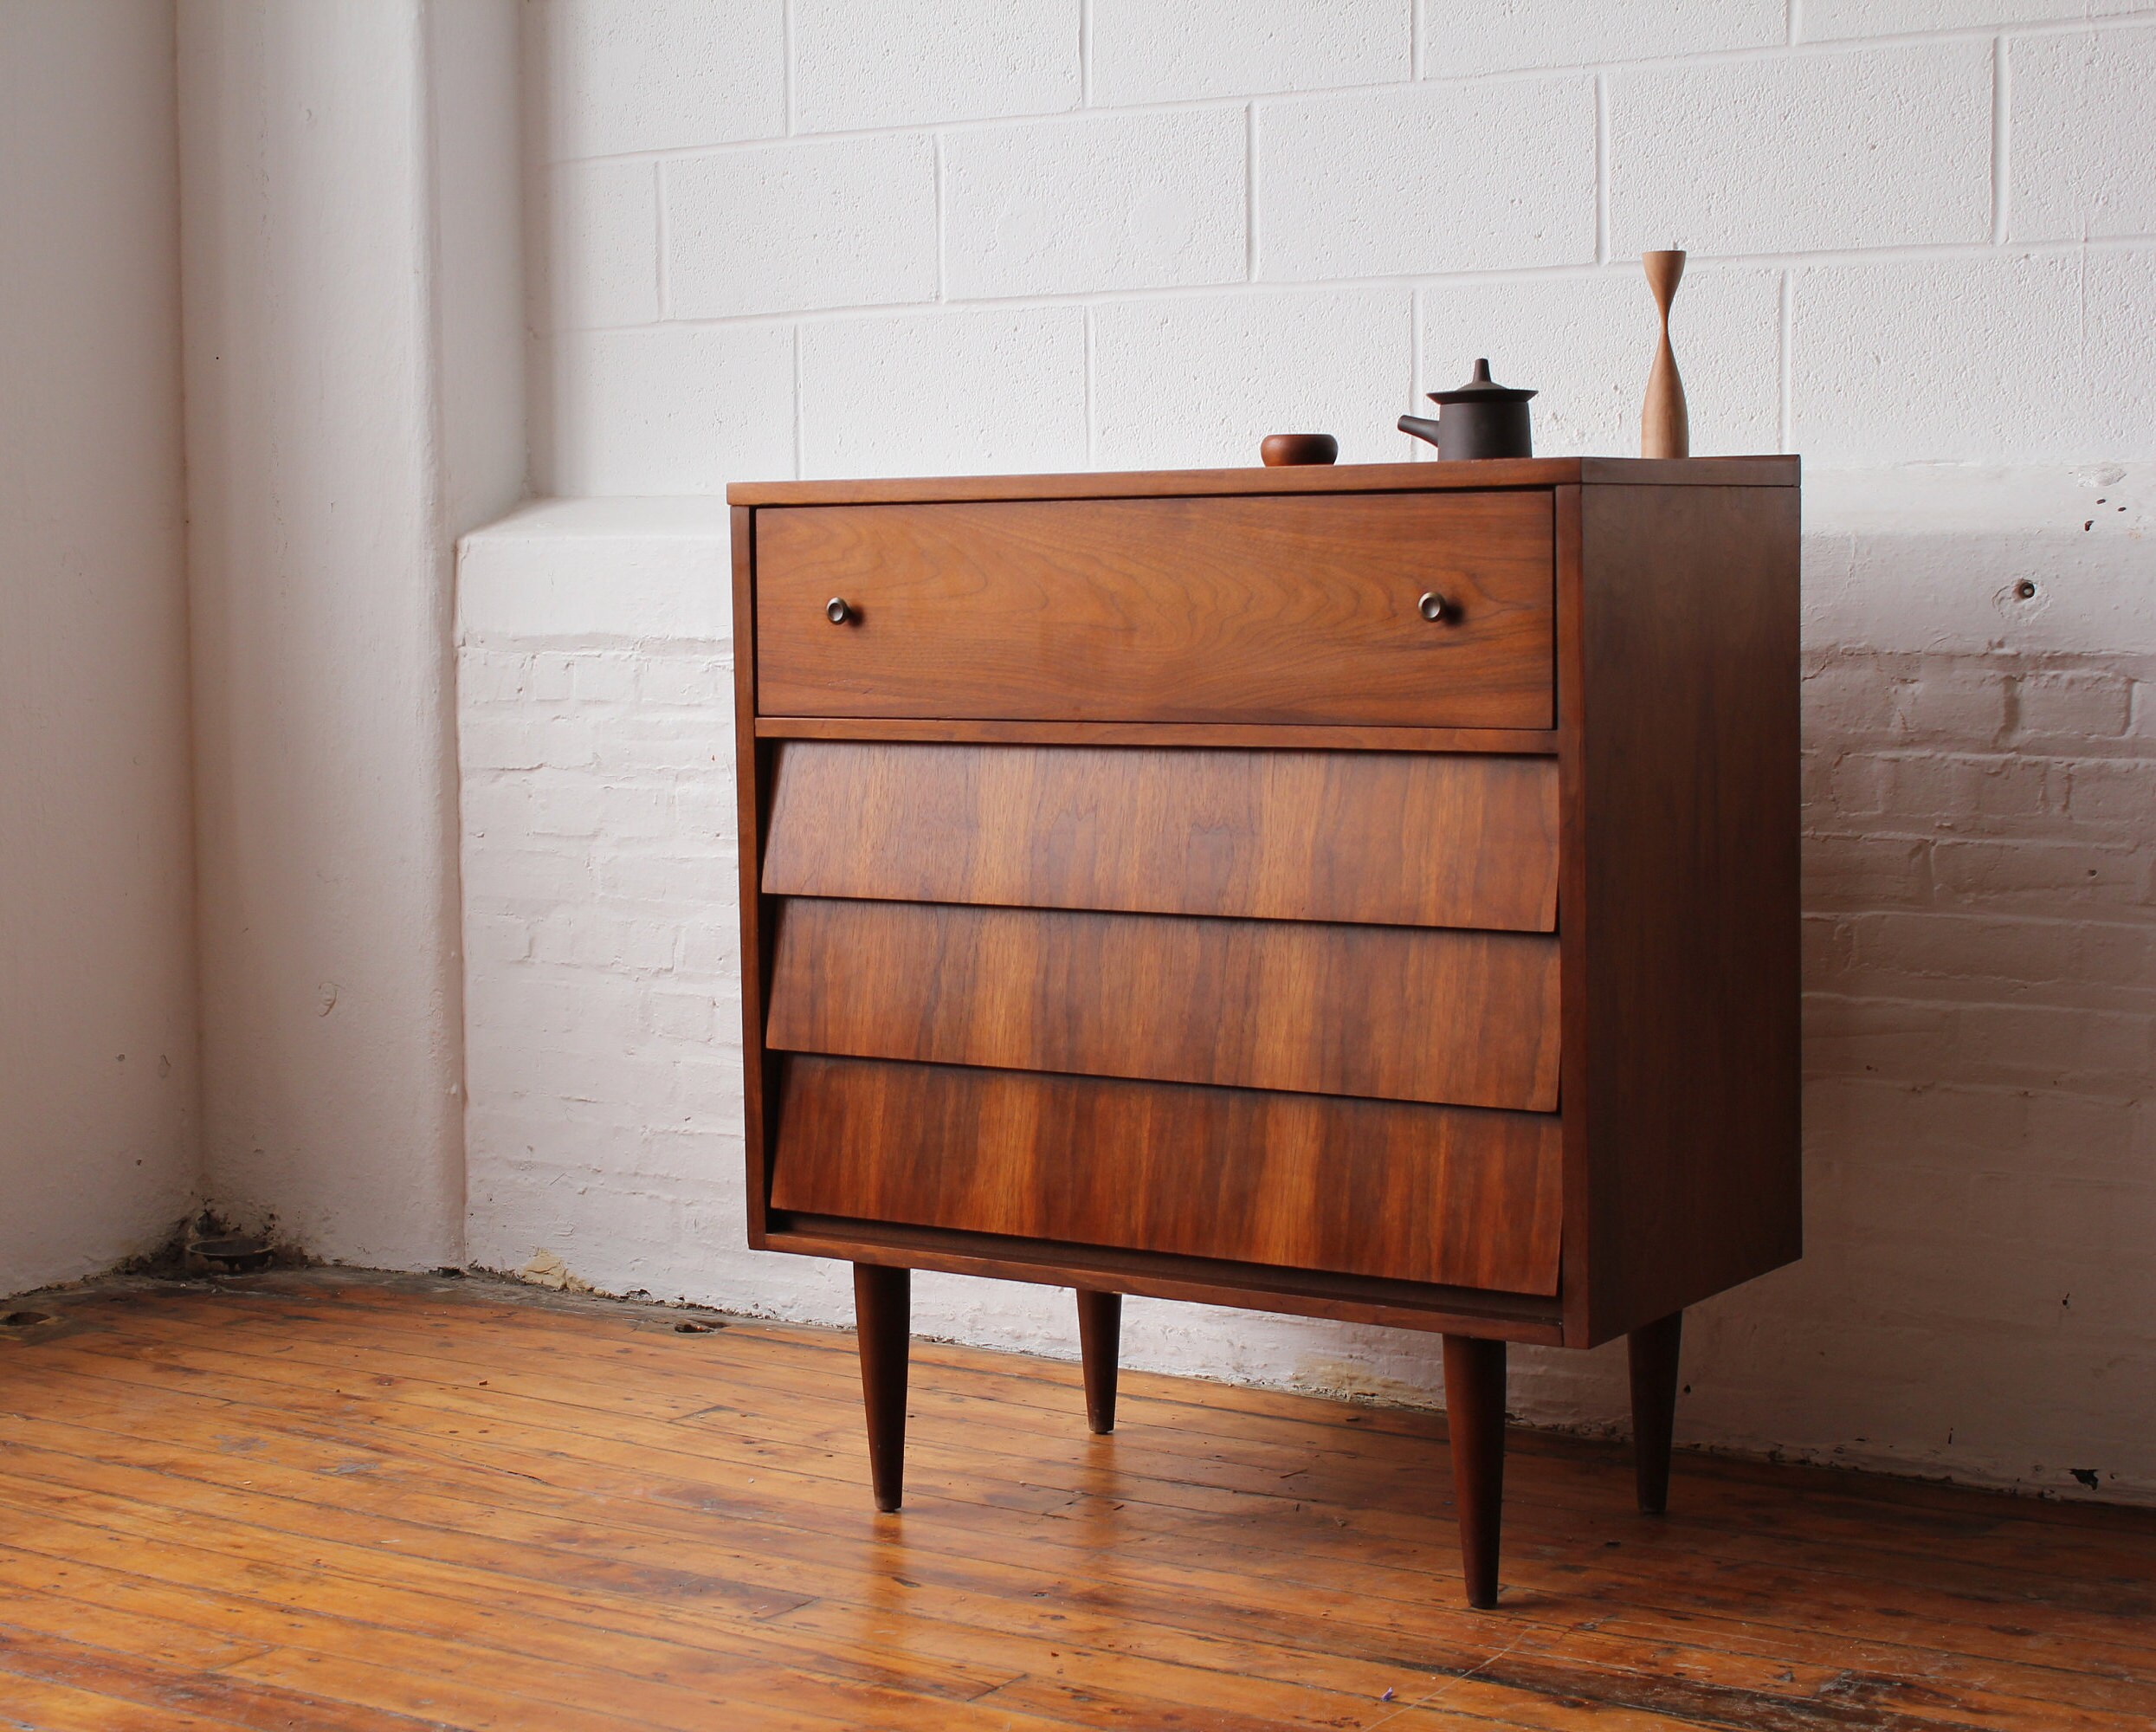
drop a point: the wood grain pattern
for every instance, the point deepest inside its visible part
(1509, 472)
(969, 1092)
(1654, 1353)
(883, 1332)
(752, 788)
(1396, 1013)
(1445, 1194)
(322, 1499)
(1664, 425)
(1681, 932)
(1474, 1408)
(1392, 839)
(1100, 1335)
(1162, 609)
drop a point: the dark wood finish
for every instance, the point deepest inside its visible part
(1282, 450)
(1653, 1350)
(1100, 1328)
(1162, 609)
(1580, 1196)
(1681, 789)
(1474, 1415)
(1528, 1318)
(1486, 476)
(353, 1502)
(1446, 1195)
(1540, 742)
(1468, 1018)
(1097, 747)
(751, 783)
(1311, 835)
(882, 1323)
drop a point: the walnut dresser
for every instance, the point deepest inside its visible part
(1364, 892)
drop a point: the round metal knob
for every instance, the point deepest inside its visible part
(837, 611)
(1435, 607)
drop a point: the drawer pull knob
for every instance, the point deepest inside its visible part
(1435, 608)
(837, 611)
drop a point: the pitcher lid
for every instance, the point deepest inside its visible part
(1481, 388)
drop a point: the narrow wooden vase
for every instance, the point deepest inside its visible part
(1665, 430)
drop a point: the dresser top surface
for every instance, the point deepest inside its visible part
(1502, 472)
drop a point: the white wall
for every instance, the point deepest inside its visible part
(98, 1078)
(353, 402)
(796, 237)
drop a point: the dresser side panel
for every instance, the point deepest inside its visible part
(1684, 786)
(750, 759)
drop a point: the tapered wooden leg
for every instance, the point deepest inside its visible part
(882, 1311)
(1654, 1352)
(1475, 1410)
(1099, 1326)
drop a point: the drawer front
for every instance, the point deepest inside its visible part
(1398, 1013)
(1390, 838)
(1445, 1194)
(1280, 609)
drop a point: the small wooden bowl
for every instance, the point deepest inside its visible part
(1282, 448)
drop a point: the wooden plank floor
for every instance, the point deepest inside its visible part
(326, 1501)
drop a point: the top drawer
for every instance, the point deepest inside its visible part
(1278, 609)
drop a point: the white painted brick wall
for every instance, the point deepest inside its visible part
(1461, 37)
(905, 62)
(1110, 201)
(1420, 179)
(1142, 51)
(2083, 109)
(1177, 380)
(779, 237)
(602, 78)
(945, 393)
(785, 228)
(2020, 354)
(667, 409)
(1803, 153)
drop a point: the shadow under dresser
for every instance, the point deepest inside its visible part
(1368, 893)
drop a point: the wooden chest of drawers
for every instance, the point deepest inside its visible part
(1368, 893)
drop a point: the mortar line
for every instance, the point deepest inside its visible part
(942, 229)
(1250, 192)
(658, 224)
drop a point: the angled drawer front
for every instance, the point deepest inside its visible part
(1390, 838)
(1451, 1195)
(1403, 1014)
(1274, 609)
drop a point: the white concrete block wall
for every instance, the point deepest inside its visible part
(1949, 200)
(786, 237)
